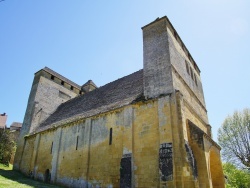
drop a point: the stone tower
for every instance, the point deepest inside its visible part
(169, 70)
(49, 90)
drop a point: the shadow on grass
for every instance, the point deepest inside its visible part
(15, 178)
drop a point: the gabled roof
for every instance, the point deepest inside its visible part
(89, 82)
(88, 86)
(108, 97)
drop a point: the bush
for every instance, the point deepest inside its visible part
(7, 146)
(236, 178)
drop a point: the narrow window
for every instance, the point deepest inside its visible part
(187, 67)
(175, 35)
(62, 82)
(191, 73)
(110, 136)
(51, 149)
(77, 142)
(52, 77)
(71, 87)
(195, 80)
(182, 46)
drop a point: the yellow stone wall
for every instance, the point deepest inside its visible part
(82, 153)
(136, 129)
(146, 145)
(27, 155)
(44, 154)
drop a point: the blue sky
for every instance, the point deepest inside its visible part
(102, 41)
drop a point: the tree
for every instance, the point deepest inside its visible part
(7, 146)
(234, 138)
(236, 178)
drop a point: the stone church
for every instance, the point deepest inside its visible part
(147, 129)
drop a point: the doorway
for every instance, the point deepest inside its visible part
(125, 172)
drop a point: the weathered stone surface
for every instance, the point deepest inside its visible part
(157, 78)
(148, 129)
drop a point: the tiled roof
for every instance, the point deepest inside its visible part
(110, 96)
(61, 77)
(16, 124)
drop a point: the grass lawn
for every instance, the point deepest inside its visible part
(13, 179)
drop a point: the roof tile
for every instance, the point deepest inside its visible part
(110, 96)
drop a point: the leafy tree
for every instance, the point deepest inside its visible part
(236, 178)
(234, 138)
(7, 146)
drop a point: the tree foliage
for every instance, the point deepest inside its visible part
(234, 138)
(236, 178)
(7, 146)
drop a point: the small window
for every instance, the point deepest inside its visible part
(51, 149)
(195, 80)
(62, 82)
(71, 87)
(175, 34)
(187, 67)
(52, 77)
(110, 136)
(77, 142)
(182, 46)
(80, 92)
(191, 71)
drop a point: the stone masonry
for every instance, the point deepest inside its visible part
(147, 129)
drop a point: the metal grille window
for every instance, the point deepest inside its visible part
(166, 161)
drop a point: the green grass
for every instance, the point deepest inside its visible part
(13, 179)
(4, 167)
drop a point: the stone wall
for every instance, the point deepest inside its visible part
(49, 96)
(185, 80)
(156, 60)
